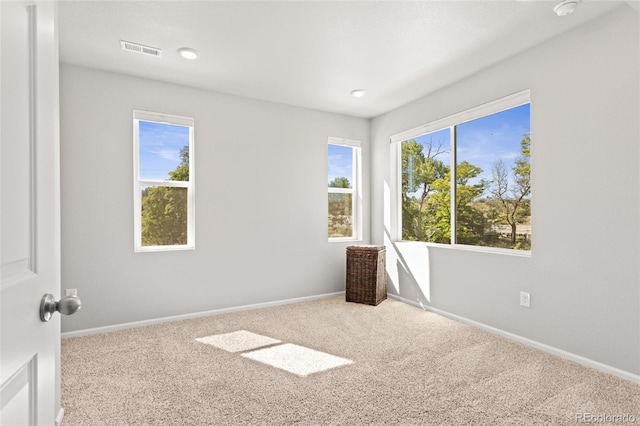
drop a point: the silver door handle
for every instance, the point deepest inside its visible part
(66, 306)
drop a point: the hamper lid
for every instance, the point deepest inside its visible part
(366, 247)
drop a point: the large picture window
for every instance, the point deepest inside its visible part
(163, 182)
(466, 179)
(344, 189)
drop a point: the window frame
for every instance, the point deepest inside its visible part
(138, 183)
(355, 190)
(450, 122)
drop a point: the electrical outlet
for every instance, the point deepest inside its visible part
(71, 292)
(525, 299)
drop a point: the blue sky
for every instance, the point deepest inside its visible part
(340, 162)
(486, 140)
(438, 138)
(160, 146)
(483, 141)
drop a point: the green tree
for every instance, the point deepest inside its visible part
(181, 173)
(469, 219)
(513, 194)
(164, 209)
(340, 182)
(426, 196)
(420, 170)
(438, 209)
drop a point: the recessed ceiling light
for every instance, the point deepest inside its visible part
(358, 93)
(188, 53)
(566, 7)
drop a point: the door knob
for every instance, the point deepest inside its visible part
(66, 306)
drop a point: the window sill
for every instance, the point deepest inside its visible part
(153, 249)
(345, 240)
(477, 249)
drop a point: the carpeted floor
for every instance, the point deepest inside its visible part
(409, 367)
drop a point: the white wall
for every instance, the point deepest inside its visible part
(261, 203)
(584, 273)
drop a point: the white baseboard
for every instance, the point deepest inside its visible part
(124, 326)
(528, 342)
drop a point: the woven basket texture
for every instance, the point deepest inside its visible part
(366, 274)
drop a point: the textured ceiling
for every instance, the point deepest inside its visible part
(313, 53)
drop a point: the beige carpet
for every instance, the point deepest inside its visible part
(409, 367)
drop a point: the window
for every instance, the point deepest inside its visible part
(466, 179)
(163, 182)
(343, 180)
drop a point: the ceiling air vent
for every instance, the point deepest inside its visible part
(139, 48)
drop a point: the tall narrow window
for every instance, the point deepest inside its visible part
(163, 182)
(466, 179)
(344, 194)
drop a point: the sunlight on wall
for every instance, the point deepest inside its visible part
(408, 267)
(392, 257)
(387, 208)
(415, 259)
(393, 275)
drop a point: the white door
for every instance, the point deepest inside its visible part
(29, 213)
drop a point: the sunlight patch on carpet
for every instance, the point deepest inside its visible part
(297, 359)
(238, 341)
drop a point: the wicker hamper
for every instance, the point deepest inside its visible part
(366, 274)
